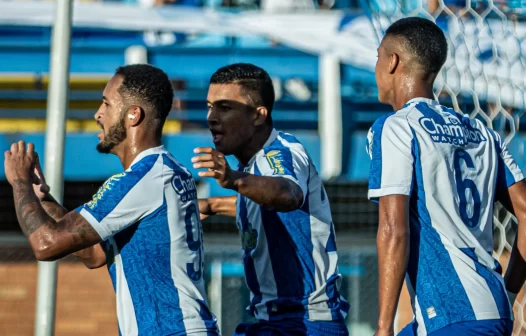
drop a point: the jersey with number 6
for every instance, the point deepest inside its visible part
(452, 167)
(149, 221)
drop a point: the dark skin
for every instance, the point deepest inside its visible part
(400, 78)
(514, 200)
(239, 128)
(52, 231)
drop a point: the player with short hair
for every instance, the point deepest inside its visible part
(436, 174)
(283, 212)
(146, 218)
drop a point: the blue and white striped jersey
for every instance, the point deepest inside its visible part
(452, 167)
(148, 218)
(290, 259)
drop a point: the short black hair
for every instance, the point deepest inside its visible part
(253, 79)
(424, 39)
(148, 85)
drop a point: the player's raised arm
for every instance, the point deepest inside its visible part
(93, 256)
(49, 239)
(223, 206)
(281, 192)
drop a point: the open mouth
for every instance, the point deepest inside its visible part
(217, 136)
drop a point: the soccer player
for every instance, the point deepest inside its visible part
(143, 223)
(283, 212)
(436, 174)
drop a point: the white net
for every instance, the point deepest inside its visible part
(484, 76)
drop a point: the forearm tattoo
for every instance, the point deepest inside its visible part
(53, 208)
(32, 215)
(29, 212)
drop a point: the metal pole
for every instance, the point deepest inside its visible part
(54, 154)
(216, 291)
(330, 116)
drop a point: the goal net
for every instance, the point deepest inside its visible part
(484, 76)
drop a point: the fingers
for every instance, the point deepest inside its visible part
(44, 187)
(21, 146)
(7, 154)
(210, 173)
(205, 157)
(201, 150)
(31, 148)
(38, 167)
(208, 164)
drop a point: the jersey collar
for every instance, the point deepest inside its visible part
(273, 136)
(421, 100)
(149, 151)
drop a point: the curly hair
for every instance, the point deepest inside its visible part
(147, 85)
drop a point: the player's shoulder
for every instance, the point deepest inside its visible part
(155, 163)
(174, 166)
(282, 147)
(391, 122)
(283, 142)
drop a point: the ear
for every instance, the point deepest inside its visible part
(260, 116)
(134, 115)
(393, 62)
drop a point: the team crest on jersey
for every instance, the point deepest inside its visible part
(451, 130)
(185, 187)
(275, 160)
(102, 190)
(249, 238)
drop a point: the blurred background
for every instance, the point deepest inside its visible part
(321, 55)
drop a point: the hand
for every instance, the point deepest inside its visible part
(217, 166)
(19, 163)
(40, 186)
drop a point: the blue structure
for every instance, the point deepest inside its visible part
(191, 62)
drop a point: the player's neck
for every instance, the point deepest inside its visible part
(255, 145)
(128, 151)
(408, 91)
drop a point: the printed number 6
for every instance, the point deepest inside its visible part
(462, 186)
(191, 220)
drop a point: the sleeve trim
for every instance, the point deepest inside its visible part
(394, 190)
(295, 180)
(101, 230)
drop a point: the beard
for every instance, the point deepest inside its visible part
(116, 135)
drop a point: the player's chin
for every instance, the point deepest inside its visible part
(223, 148)
(104, 147)
(381, 98)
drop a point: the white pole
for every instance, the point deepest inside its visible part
(54, 154)
(136, 54)
(330, 116)
(216, 288)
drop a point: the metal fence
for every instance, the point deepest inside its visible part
(229, 297)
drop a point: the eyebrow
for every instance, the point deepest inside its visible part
(219, 102)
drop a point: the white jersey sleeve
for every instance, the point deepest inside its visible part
(124, 199)
(509, 172)
(390, 148)
(288, 162)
